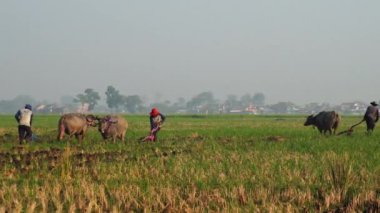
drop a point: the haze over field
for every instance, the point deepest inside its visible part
(299, 51)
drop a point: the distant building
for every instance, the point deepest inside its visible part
(251, 109)
(49, 109)
(356, 107)
(236, 111)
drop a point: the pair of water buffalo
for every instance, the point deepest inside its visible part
(77, 124)
(324, 121)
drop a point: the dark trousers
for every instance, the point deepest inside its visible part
(370, 124)
(24, 132)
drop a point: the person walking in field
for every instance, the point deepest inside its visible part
(156, 120)
(371, 116)
(24, 118)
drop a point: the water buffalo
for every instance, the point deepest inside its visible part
(324, 121)
(113, 127)
(75, 124)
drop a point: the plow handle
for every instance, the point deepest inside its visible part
(357, 124)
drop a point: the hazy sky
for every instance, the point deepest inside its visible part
(297, 50)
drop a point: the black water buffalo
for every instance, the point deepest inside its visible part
(75, 124)
(324, 121)
(112, 126)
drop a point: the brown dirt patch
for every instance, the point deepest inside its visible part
(275, 138)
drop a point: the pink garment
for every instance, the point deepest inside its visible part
(152, 136)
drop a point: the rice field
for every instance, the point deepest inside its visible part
(218, 163)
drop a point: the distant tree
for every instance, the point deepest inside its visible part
(133, 103)
(11, 106)
(90, 97)
(316, 107)
(284, 107)
(67, 100)
(246, 100)
(113, 98)
(21, 100)
(232, 102)
(164, 107)
(258, 99)
(203, 102)
(203, 98)
(180, 103)
(67, 103)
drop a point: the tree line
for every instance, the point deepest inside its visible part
(204, 102)
(116, 102)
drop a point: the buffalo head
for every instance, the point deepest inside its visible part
(91, 120)
(310, 120)
(105, 123)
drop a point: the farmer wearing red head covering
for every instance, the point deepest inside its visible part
(156, 120)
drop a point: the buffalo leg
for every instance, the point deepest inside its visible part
(123, 136)
(61, 134)
(71, 136)
(79, 137)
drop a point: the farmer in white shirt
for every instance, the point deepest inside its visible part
(24, 118)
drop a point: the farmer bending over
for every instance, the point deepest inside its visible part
(156, 120)
(24, 118)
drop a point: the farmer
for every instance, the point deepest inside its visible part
(156, 120)
(24, 118)
(371, 116)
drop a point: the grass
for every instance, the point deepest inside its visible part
(200, 163)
